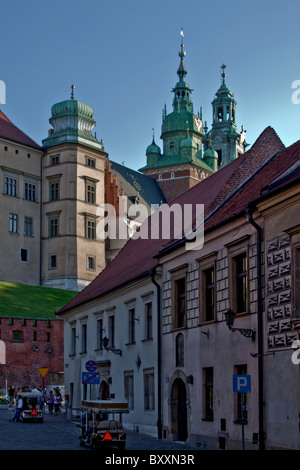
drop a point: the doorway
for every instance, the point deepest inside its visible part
(179, 410)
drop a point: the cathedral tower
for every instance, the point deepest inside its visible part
(224, 137)
(180, 166)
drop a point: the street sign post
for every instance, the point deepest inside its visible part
(90, 378)
(242, 384)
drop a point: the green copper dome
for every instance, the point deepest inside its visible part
(72, 121)
(153, 148)
(72, 107)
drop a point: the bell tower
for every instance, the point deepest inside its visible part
(224, 137)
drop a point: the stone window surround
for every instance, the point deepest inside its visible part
(234, 249)
(206, 262)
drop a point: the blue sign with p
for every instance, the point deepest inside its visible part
(242, 383)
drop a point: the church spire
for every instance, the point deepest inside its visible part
(182, 90)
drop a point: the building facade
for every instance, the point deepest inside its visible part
(199, 350)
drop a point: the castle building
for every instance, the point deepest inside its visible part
(53, 195)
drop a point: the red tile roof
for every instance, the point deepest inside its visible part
(139, 255)
(253, 189)
(11, 132)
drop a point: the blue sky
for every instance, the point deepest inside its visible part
(122, 56)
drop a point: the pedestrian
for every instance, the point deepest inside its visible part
(50, 402)
(57, 401)
(19, 408)
(11, 395)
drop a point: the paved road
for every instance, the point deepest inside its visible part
(57, 433)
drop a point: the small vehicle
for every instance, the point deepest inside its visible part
(33, 407)
(101, 424)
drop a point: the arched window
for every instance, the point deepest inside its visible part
(172, 175)
(180, 350)
(160, 176)
(220, 114)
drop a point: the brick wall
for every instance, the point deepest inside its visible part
(30, 345)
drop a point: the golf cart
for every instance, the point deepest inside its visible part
(33, 407)
(101, 424)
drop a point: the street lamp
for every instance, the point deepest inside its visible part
(229, 318)
(116, 351)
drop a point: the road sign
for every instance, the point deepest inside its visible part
(242, 383)
(90, 378)
(43, 371)
(91, 366)
(107, 436)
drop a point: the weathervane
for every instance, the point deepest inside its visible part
(223, 67)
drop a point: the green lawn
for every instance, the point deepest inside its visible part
(19, 300)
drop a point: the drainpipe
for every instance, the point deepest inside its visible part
(159, 407)
(250, 209)
(41, 222)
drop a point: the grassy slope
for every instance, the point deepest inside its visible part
(18, 300)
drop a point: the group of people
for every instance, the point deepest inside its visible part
(53, 399)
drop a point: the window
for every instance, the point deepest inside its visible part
(172, 174)
(148, 321)
(208, 394)
(91, 263)
(10, 186)
(53, 227)
(111, 331)
(241, 405)
(83, 338)
(28, 226)
(17, 335)
(100, 334)
(129, 388)
(54, 160)
(179, 297)
(90, 162)
(180, 293)
(149, 401)
(220, 114)
(90, 229)
(52, 262)
(90, 192)
(54, 191)
(73, 340)
(13, 223)
(30, 193)
(240, 268)
(238, 276)
(209, 275)
(131, 326)
(24, 254)
(34, 336)
(179, 350)
(207, 287)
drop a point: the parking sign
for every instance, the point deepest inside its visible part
(242, 383)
